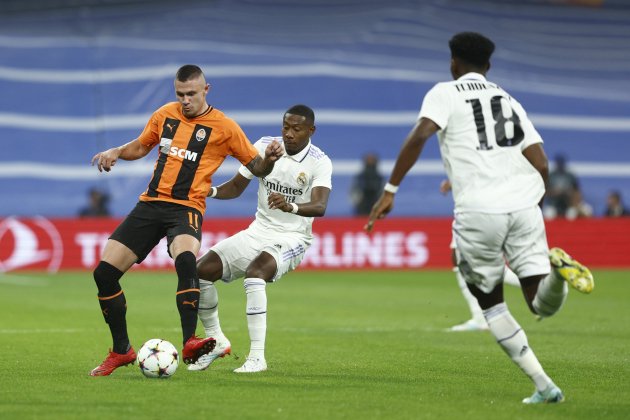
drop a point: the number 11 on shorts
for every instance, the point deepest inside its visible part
(193, 220)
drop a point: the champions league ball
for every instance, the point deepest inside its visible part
(158, 358)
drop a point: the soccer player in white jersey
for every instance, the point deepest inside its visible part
(496, 164)
(289, 198)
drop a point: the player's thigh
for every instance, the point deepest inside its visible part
(183, 228)
(210, 266)
(118, 255)
(288, 252)
(140, 232)
(182, 243)
(526, 248)
(479, 238)
(236, 253)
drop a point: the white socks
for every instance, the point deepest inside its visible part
(551, 294)
(473, 305)
(256, 316)
(509, 277)
(513, 341)
(209, 310)
(256, 313)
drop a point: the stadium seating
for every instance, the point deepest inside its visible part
(77, 80)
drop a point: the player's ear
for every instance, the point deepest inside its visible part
(312, 129)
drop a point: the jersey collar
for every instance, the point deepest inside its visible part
(299, 157)
(473, 76)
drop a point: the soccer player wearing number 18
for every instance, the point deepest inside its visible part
(496, 164)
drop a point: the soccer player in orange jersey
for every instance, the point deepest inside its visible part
(194, 138)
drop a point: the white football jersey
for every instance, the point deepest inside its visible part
(483, 131)
(294, 177)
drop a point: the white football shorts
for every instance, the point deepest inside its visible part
(485, 242)
(239, 250)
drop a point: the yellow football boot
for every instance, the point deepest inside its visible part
(574, 273)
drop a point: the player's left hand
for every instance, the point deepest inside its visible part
(381, 208)
(445, 186)
(274, 151)
(277, 201)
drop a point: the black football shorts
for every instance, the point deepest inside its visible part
(150, 221)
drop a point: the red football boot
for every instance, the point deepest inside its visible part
(114, 361)
(196, 347)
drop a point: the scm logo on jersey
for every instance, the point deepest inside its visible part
(183, 153)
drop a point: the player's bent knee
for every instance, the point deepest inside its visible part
(210, 267)
(107, 277)
(263, 267)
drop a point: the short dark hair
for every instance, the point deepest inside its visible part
(303, 111)
(472, 47)
(188, 72)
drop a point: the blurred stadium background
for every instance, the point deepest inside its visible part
(79, 76)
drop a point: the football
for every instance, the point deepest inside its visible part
(158, 358)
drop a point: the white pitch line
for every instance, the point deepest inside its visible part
(17, 280)
(43, 330)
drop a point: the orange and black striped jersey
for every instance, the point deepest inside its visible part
(191, 151)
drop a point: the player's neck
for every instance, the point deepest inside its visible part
(205, 110)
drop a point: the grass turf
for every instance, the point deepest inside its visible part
(339, 345)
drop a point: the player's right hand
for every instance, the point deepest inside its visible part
(105, 160)
(381, 208)
(274, 151)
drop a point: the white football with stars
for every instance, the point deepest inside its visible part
(158, 358)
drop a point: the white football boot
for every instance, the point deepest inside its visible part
(552, 394)
(222, 349)
(252, 365)
(470, 325)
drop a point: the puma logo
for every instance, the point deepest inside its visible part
(193, 303)
(105, 311)
(171, 127)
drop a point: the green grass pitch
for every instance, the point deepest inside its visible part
(354, 345)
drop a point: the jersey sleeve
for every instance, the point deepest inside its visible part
(436, 106)
(260, 148)
(239, 145)
(150, 136)
(323, 174)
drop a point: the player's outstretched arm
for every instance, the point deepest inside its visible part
(130, 151)
(408, 155)
(314, 208)
(261, 167)
(230, 189)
